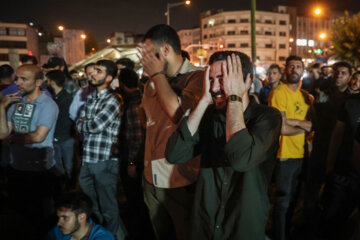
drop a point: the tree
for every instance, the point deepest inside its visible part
(346, 38)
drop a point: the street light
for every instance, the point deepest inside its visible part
(170, 5)
(61, 28)
(83, 36)
(322, 35)
(108, 40)
(317, 11)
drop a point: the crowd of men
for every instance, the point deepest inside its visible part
(200, 153)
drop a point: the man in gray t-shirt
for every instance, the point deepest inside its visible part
(29, 128)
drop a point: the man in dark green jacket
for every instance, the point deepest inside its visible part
(238, 140)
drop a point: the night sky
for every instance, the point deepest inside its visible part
(101, 18)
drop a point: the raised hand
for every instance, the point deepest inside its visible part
(5, 101)
(233, 78)
(206, 95)
(150, 62)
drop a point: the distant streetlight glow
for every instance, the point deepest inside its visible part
(61, 28)
(291, 40)
(40, 34)
(108, 40)
(83, 36)
(322, 35)
(171, 5)
(317, 11)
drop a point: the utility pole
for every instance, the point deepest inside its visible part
(253, 31)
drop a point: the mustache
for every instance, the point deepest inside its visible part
(214, 94)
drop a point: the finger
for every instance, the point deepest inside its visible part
(224, 69)
(229, 65)
(239, 66)
(161, 57)
(207, 77)
(234, 63)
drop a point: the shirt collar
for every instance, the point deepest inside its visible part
(101, 93)
(37, 100)
(186, 67)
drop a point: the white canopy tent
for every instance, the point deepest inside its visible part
(111, 53)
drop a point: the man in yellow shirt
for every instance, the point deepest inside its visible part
(294, 105)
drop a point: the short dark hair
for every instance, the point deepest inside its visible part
(355, 73)
(127, 62)
(293, 58)
(274, 66)
(129, 78)
(342, 64)
(164, 34)
(109, 65)
(28, 58)
(6, 71)
(57, 76)
(77, 202)
(185, 54)
(73, 71)
(247, 66)
(88, 65)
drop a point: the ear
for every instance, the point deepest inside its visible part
(248, 82)
(109, 79)
(38, 82)
(82, 217)
(165, 49)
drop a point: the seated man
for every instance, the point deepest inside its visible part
(73, 211)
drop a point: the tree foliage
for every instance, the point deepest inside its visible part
(346, 38)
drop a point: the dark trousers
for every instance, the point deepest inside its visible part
(286, 182)
(31, 196)
(341, 196)
(169, 210)
(64, 155)
(99, 182)
(137, 214)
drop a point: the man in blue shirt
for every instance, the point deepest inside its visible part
(274, 76)
(29, 127)
(73, 211)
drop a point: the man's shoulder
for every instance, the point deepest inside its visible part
(279, 89)
(98, 232)
(114, 96)
(267, 112)
(45, 100)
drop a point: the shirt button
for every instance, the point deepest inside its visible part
(217, 226)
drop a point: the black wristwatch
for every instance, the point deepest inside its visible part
(234, 98)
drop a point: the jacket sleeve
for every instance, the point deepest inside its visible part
(181, 145)
(250, 147)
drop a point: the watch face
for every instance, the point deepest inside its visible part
(234, 98)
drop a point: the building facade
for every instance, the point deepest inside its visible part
(191, 42)
(312, 36)
(17, 40)
(231, 30)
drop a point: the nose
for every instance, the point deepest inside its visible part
(215, 86)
